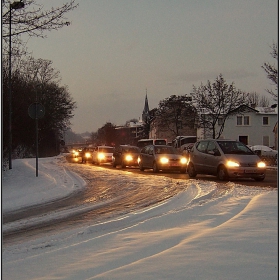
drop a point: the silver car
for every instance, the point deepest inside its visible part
(225, 159)
(162, 157)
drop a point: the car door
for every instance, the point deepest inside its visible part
(148, 156)
(199, 156)
(144, 153)
(212, 158)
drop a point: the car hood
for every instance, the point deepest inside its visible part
(243, 158)
(170, 156)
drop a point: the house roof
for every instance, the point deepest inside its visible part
(258, 110)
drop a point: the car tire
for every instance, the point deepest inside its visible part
(222, 173)
(141, 167)
(123, 165)
(155, 167)
(191, 170)
(114, 164)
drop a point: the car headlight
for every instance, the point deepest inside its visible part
(231, 163)
(183, 160)
(76, 153)
(87, 155)
(164, 160)
(101, 156)
(128, 158)
(261, 164)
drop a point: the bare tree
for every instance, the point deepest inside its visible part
(175, 113)
(254, 99)
(272, 72)
(32, 20)
(214, 102)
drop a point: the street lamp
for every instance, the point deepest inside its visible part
(13, 6)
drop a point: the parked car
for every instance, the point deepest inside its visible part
(125, 155)
(102, 154)
(161, 157)
(225, 159)
(264, 151)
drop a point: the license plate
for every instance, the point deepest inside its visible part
(174, 164)
(250, 171)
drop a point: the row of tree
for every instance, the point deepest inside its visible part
(32, 80)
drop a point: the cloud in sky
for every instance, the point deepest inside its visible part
(115, 49)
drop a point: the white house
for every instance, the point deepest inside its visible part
(254, 126)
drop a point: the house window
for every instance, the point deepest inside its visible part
(265, 120)
(243, 120)
(246, 120)
(239, 120)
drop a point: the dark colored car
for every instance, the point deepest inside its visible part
(225, 159)
(162, 157)
(125, 155)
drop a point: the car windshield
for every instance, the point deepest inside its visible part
(165, 150)
(106, 150)
(132, 150)
(234, 147)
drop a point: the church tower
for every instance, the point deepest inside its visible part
(145, 114)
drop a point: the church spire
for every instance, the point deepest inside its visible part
(146, 110)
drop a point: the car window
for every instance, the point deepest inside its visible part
(165, 150)
(145, 150)
(132, 150)
(201, 146)
(234, 147)
(212, 147)
(106, 150)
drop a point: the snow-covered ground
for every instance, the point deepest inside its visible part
(205, 232)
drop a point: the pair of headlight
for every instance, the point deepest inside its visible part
(231, 163)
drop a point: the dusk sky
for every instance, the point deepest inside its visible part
(116, 49)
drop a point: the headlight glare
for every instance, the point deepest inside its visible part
(128, 158)
(231, 163)
(184, 160)
(261, 164)
(101, 156)
(164, 160)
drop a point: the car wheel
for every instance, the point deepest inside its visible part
(222, 173)
(123, 165)
(141, 167)
(191, 171)
(114, 164)
(155, 167)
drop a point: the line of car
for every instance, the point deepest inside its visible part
(222, 158)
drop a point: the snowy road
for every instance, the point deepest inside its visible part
(108, 194)
(138, 227)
